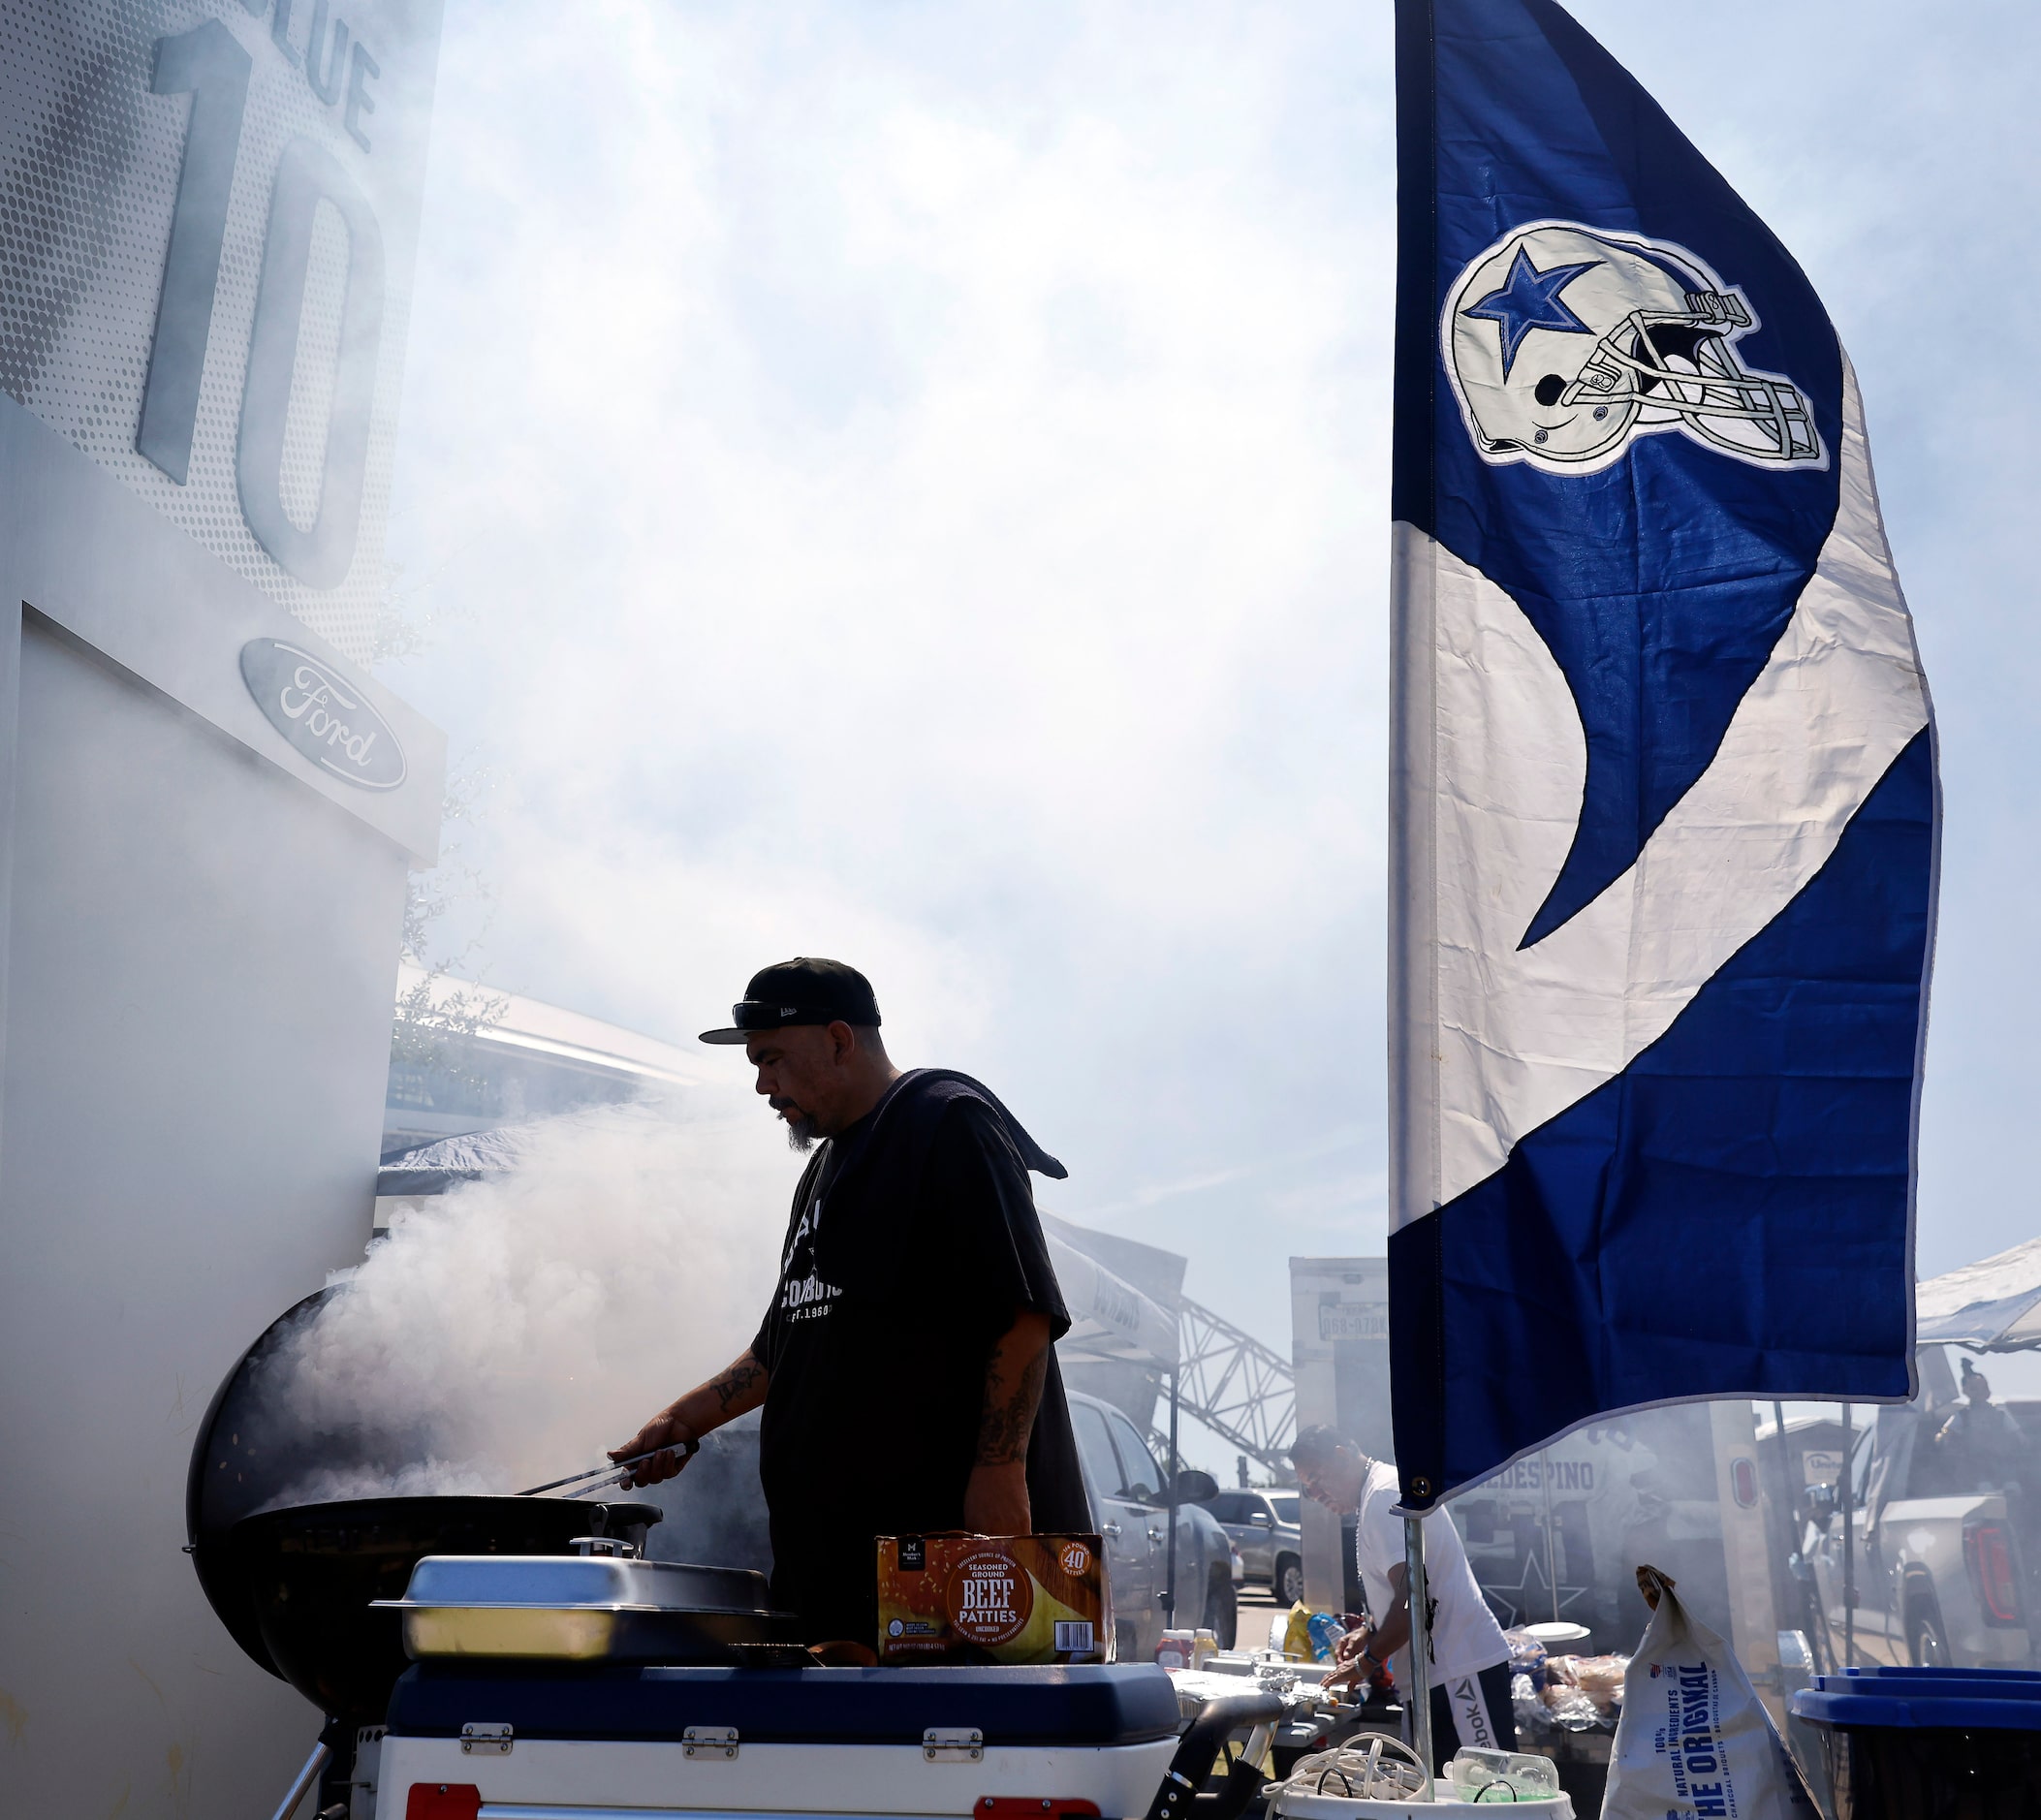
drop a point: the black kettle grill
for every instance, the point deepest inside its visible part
(294, 1583)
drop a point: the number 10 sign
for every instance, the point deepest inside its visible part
(210, 210)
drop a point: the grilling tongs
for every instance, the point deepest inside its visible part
(687, 1450)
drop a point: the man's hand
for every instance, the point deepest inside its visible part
(665, 1431)
(739, 1388)
(995, 1500)
(1354, 1662)
(1352, 1644)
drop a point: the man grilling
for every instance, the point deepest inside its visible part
(906, 1365)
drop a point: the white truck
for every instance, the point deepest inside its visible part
(1944, 1546)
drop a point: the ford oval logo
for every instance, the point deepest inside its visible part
(322, 714)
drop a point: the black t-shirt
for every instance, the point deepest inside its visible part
(912, 1246)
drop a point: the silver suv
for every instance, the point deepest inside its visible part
(1128, 1497)
(1267, 1527)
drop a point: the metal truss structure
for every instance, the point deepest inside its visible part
(1236, 1386)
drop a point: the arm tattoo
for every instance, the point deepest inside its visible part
(1010, 1404)
(731, 1384)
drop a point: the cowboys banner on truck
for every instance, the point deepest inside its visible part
(1663, 801)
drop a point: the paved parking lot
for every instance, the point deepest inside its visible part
(1257, 1609)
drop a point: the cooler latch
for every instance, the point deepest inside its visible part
(486, 1740)
(953, 1744)
(709, 1741)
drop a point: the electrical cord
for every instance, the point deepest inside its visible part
(1384, 1768)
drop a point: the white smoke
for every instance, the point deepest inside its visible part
(424, 1478)
(511, 1330)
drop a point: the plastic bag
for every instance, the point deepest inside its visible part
(1693, 1743)
(1297, 1633)
(1602, 1678)
(1569, 1709)
(1527, 1654)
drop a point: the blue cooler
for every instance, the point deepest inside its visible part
(1928, 1744)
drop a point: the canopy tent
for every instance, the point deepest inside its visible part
(1992, 1306)
(1111, 1319)
(436, 1168)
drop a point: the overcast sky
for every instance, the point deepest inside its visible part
(909, 482)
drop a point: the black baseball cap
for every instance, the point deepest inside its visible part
(801, 991)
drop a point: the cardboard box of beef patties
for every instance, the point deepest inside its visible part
(956, 1598)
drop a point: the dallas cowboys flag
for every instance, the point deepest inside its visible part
(1664, 802)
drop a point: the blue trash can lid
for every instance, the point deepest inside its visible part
(1945, 1699)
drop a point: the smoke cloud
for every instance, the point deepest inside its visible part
(508, 1332)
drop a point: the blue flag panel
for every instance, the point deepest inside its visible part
(1664, 800)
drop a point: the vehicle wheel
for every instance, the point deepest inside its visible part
(1926, 1645)
(1289, 1580)
(1221, 1610)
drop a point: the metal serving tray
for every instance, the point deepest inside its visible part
(586, 1609)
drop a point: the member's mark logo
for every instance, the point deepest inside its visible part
(1564, 343)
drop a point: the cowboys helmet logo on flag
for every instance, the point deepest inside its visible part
(1664, 803)
(1563, 343)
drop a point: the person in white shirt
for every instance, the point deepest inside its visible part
(1469, 1662)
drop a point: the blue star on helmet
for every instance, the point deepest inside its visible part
(1529, 298)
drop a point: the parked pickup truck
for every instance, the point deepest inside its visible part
(1130, 1502)
(1943, 1547)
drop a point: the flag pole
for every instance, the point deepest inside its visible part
(1413, 1004)
(1849, 1543)
(1419, 1641)
(1169, 1598)
(1551, 1572)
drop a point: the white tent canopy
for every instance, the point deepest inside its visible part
(1108, 1317)
(1992, 1306)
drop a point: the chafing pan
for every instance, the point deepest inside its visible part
(586, 1609)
